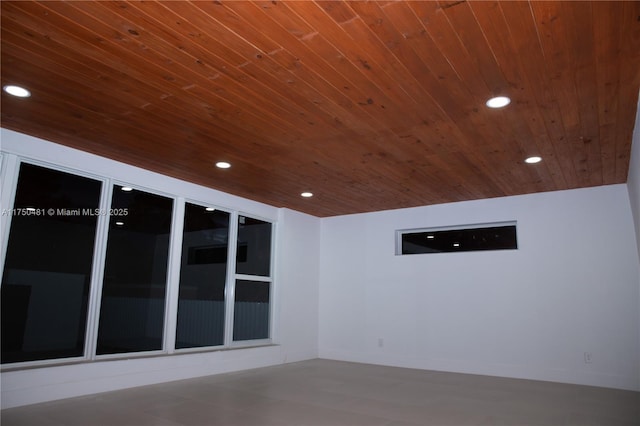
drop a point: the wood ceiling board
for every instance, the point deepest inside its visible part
(370, 105)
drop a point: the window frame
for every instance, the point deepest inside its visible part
(401, 232)
(258, 278)
(9, 170)
(176, 288)
(165, 321)
(12, 180)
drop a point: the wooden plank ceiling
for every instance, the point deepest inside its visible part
(369, 105)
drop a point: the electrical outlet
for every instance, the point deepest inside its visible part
(587, 358)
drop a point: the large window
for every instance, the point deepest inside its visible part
(203, 277)
(47, 271)
(253, 287)
(97, 270)
(135, 273)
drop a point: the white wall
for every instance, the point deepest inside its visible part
(295, 286)
(298, 272)
(571, 287)
(633, 178)
(633, 183)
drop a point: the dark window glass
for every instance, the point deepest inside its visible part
(254, 247)
(203, 273)
(251, 310)
(135, 273)
(471, 239)
(47, 272)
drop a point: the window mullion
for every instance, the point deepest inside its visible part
(253, 278)
(273, 300)
(97, 273)
(231, 278)
(173, 275)
(10, 170)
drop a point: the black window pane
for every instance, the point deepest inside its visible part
(47, 271)
(135, 273)
(203, 273)
(454, 240)
(251, 310)
(254, 247)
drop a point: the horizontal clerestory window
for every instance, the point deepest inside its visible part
(479, 237)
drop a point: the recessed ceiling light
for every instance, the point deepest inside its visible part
(223, 165)
(498, 102)
(456, 244)
(430, 237)
(307, 194)
(119, 223)
(533, 160)
(210, 209)
(18, 91)
(127, 188)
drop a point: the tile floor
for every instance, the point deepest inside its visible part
(323, 392)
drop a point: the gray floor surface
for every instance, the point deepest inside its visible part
(323, 392)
